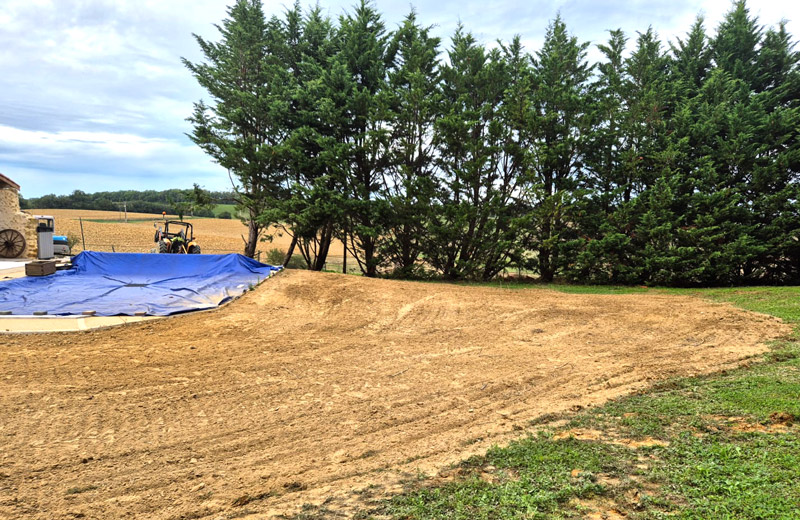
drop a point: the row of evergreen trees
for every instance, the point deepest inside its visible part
(673, 165)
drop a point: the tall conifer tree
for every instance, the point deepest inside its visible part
(414, 101)
(563, 107)
(244, 128)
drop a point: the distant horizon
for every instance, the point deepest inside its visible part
(117, 191)
(95, 96)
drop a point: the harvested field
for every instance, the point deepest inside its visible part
(136, 236)
(315, 385)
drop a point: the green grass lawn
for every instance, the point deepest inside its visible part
(717, 447)
(783, 302)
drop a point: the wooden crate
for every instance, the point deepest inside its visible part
(40, 268)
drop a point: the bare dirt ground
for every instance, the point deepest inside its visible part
(136, 236)
(317, 385)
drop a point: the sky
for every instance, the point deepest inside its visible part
(94, 97)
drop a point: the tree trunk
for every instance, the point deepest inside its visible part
(290, 252)
(344, 253)
(324, 246)
(369, 258)
(253, 230)
(546, 271)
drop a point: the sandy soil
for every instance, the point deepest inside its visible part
(316, 385)
(214, 235)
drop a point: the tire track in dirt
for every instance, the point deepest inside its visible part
(315, 385)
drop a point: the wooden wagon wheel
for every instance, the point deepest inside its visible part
(12, 243)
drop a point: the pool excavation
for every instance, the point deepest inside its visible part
(133, 286)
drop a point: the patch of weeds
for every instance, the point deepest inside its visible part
(314, 512)
(783, 351)
(543, 481)
(80, 489)
(782, 302)
(548, 418)
(412, 459)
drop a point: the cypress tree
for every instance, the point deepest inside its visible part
(677, 169)
(691, 60)
(469, 234)
(773, 187)
(313, 211)
(735, 47)
(414, 100)
(562, 106)
(243, 129)
(363, 59)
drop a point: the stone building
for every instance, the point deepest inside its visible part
(11, 217)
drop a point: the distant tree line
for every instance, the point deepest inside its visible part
(195, 201)
(670, 164)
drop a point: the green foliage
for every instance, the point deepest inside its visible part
(362, 61)
(73, 240)
(312, 211)
(243, 128)
(533, 481)
(414, 104)
(473, 233)
(197, 202)
(224, 208)
(661, 165)
(277, 256)
(561, 105)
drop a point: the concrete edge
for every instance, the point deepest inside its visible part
(30, 324)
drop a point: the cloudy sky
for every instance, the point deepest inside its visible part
(93, 95)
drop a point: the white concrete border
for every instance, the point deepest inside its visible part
(18, 323)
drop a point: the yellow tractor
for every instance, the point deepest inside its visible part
(179, 240)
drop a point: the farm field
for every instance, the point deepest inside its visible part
(316, 386)
(217, 236)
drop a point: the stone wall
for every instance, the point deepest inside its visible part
(11, 217)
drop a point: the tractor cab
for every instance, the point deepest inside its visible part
(176, 237)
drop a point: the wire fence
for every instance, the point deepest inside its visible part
(337, 266)
(509, 274)
(114, 248)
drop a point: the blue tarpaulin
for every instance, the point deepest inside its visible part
(118, 284)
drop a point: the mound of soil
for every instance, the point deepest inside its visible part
(315, 385)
